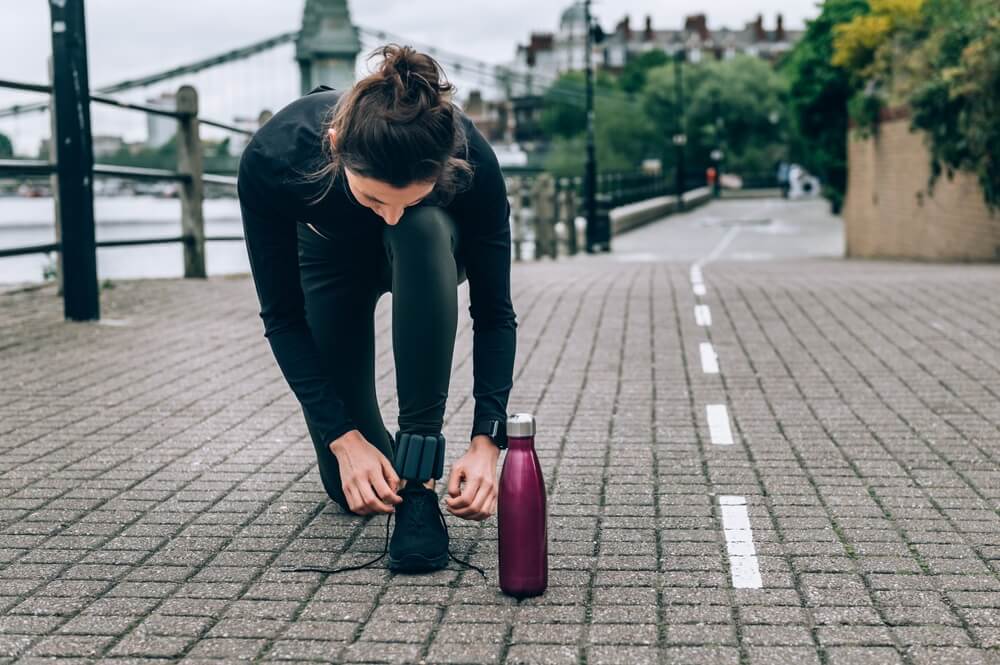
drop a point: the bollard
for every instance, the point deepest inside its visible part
(599, 228)
(192, 190)
(542, 194)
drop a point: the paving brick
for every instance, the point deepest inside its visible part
(541, 654)
(862, 395)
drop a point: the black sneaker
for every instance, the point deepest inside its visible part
(420, 540)
(411, 550)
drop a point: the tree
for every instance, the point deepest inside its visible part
(957, 100)
(738, 104)
(564, 110)
(622, 133)
(6, 147)
(633, 76)
(819, 92)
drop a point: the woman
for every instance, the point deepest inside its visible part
(387, 186)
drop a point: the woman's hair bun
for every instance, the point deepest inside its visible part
(399, 125)
(416, 79)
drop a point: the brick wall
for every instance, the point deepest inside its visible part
(889, 211)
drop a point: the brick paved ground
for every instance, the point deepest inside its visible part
(156, 474)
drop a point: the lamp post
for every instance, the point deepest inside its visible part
(596, 234)
(717, 153)
(680, 138)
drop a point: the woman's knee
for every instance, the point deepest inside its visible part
(423, 227)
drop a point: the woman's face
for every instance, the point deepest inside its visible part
(387, 201)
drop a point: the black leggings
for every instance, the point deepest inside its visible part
(342, 279)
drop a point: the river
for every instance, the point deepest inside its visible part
(29, 221)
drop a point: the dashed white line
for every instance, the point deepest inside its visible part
(743, 566)
(699, 288)
(696, 274)
(723, 242)
(718, 424)
(709, 359)
(702, 315)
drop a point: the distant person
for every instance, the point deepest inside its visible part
(411, 200)
(782, 175)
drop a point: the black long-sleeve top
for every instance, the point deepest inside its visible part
(273, 199)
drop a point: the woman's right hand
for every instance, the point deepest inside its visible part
(368, 479)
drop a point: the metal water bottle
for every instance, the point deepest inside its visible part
(523, 547)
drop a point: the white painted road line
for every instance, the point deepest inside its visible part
(726, 239)
(702, 315)
(743, 565)
(718, 424)
(699, 288)
(696, 274)
(709, 360)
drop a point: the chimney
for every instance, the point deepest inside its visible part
(758, 29)
(474, 104)
(647, 35)
(624, 27)
(779, 33)
(697, 23)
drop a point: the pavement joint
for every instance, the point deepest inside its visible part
(155, 476)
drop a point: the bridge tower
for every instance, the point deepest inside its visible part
(327, 46)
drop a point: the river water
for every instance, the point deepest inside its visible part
(29, 221)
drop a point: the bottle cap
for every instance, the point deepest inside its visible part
(521, 424)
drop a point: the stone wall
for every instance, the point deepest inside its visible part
(889, 211)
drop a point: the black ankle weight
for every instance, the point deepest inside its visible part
(419, 457)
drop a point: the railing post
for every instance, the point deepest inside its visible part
(567, 212)
(54, 182)
(541, 204)
(514, 185)
(192, 191)
(75, 160)
(599, 233)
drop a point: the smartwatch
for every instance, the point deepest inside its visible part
(494, 428)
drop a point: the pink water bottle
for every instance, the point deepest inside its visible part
(523, 547)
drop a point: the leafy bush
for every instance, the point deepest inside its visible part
(958, 100)
(818, 95)
(939, 58)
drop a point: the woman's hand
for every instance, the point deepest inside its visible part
(367, 476)
(478, 468)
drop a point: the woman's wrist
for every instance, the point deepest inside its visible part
(346, 439)
(482, 442)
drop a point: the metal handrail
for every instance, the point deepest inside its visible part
(57, 246)
(110, 101)
(10, 167)
(13, 167)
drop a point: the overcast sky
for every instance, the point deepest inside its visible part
(129, 38)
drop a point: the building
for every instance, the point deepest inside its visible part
(548, 54)
(161, 128)
(105, 144)
(698, 41)
(496, 122)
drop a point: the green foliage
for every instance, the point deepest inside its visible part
(819, 92)
(745, 93)
(6, 147)
(633, 76)
(958, 99)
(621, 131)
(215, 157)
(728, 104)
(563, 111)
(863, 108)
(857, 42)
(941, 58)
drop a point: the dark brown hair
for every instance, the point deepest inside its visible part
(398, 125)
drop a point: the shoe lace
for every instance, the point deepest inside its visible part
(385, 550)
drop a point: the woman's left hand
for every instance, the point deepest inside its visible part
(477, 500)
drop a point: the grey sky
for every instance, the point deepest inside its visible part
(134, 37)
